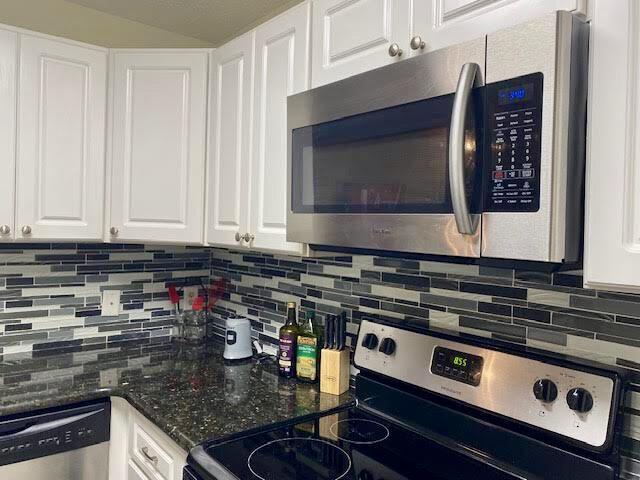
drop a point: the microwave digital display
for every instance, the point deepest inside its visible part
(517, 94)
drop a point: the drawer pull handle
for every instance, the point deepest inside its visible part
(152, 458)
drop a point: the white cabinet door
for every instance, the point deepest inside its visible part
(61, 138)
(445, 22)
(281, 69)
(612, 228)
(8, 100)
(231, 83)
(158, 122)
(353, 36)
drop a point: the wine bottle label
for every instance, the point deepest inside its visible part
(307, 357)
(286, 354)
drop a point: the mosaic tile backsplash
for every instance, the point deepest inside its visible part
(550, 311)
(50, 299)
(50, 294)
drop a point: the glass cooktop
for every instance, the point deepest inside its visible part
(351, 445)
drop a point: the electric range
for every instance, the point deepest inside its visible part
(442, 406)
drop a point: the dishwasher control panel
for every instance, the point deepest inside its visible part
(42, 433)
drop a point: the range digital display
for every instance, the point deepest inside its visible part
(517, 94)
(456, 365)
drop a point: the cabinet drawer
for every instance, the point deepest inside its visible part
(134, 472)
(147, 453)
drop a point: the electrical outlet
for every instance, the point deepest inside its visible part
(270, 349)
(189, 295)
(110, 303)
(109, 377)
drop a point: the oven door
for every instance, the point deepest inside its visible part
(391, 159)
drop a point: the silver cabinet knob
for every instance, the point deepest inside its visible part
(395, 50)
(113, 231)
(26, 230)
(417, 43)
(247, 237)
(5, 230)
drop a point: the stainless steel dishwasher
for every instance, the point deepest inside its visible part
(66, 443)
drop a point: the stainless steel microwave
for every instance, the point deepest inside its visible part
(474, 150)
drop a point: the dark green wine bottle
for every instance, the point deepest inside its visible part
(288, 338)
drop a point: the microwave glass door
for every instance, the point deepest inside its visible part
(389, 161)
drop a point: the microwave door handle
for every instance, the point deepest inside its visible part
(465, 222)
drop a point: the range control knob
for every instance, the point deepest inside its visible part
(579, 400)
(545, 390)
(370, 341)
(388, 346)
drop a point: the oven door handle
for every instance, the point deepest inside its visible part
(466, 222)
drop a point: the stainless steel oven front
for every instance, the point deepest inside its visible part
(473, 150)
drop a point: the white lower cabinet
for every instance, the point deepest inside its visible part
(139, 449)
(158, 140)
(612, 226)
(60, 140)
(8, 99)
(134, 472)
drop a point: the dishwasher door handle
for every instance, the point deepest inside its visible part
(34, 428)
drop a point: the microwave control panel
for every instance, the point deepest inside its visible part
(514, 117)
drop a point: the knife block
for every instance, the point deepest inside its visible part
(335, 371)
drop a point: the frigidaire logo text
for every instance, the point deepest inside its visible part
(451, 390)
(381, 230)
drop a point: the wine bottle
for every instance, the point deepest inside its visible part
(288, 337)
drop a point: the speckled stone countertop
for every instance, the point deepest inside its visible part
(188, 392)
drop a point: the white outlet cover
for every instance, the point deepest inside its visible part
(189, 295)
(110, 303)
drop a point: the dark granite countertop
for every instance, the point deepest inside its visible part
(188, 392)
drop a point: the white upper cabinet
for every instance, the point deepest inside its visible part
(441, 23)
(158, 138)
(61, 125)
(281, 69)
(612, 229)
(230, 95)
(8, 69)
(353, 36)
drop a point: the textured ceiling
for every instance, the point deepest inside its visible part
(211, 20)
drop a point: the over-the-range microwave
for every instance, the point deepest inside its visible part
(474, 150)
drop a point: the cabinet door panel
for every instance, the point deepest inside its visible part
(281, 69)
(446, 22)
(158, 145)
(8, 66)
(61, 140)
(353, 36)
(230, 140)
(612, 228)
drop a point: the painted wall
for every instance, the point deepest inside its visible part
(65, 19)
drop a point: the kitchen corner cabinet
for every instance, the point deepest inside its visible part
(8, 102)
(157, 145)
(231, 83)
(282, 68)
(612, 226)
(139, 450)
(60, 140)
(353, 36)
